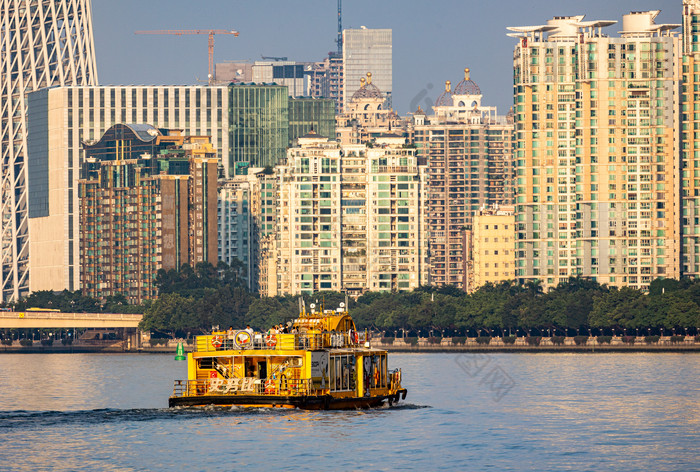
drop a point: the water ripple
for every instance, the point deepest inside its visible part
(564, 412)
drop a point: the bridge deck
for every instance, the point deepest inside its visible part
(43, 319)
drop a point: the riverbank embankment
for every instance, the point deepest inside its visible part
(582, 344)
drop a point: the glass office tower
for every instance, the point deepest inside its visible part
(258, 125)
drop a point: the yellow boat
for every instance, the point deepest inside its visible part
(324, 363)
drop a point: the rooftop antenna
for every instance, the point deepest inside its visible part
(339, 40)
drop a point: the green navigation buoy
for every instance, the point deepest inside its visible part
(180, 354)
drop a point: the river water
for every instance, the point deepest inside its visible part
(72, 412)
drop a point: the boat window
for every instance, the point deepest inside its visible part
(342, 372)
(375, 371)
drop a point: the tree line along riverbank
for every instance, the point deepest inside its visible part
(571, 308)
(193, 300)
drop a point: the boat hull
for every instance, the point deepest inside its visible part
(326, 402)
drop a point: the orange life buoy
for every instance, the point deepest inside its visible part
(216, 341)
(271, 340)
(270, 387)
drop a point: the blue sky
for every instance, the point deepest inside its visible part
(432, 41)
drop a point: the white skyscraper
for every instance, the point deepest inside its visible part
(44, 43)
(367, 50)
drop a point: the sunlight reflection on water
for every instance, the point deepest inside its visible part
(564, 412)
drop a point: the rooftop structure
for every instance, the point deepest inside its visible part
(366, 117)
(291, 74)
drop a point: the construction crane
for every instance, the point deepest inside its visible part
(210, 32)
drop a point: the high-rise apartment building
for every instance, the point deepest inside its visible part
(147, 201)
(597, 158)
(690, 141)
(367, 50)
(318, 78)
(468, 148)
(247, 213)
(44, 44)
(326, 79)
(350, 218)
(265, 204)
(235, 225)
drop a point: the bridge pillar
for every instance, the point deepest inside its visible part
(132, 339)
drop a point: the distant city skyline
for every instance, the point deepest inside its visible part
(430, 44)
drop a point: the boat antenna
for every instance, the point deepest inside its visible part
(347, 307)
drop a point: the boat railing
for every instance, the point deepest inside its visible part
(285, 341)
(242, 386)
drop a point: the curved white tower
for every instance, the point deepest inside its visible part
(42, 44)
